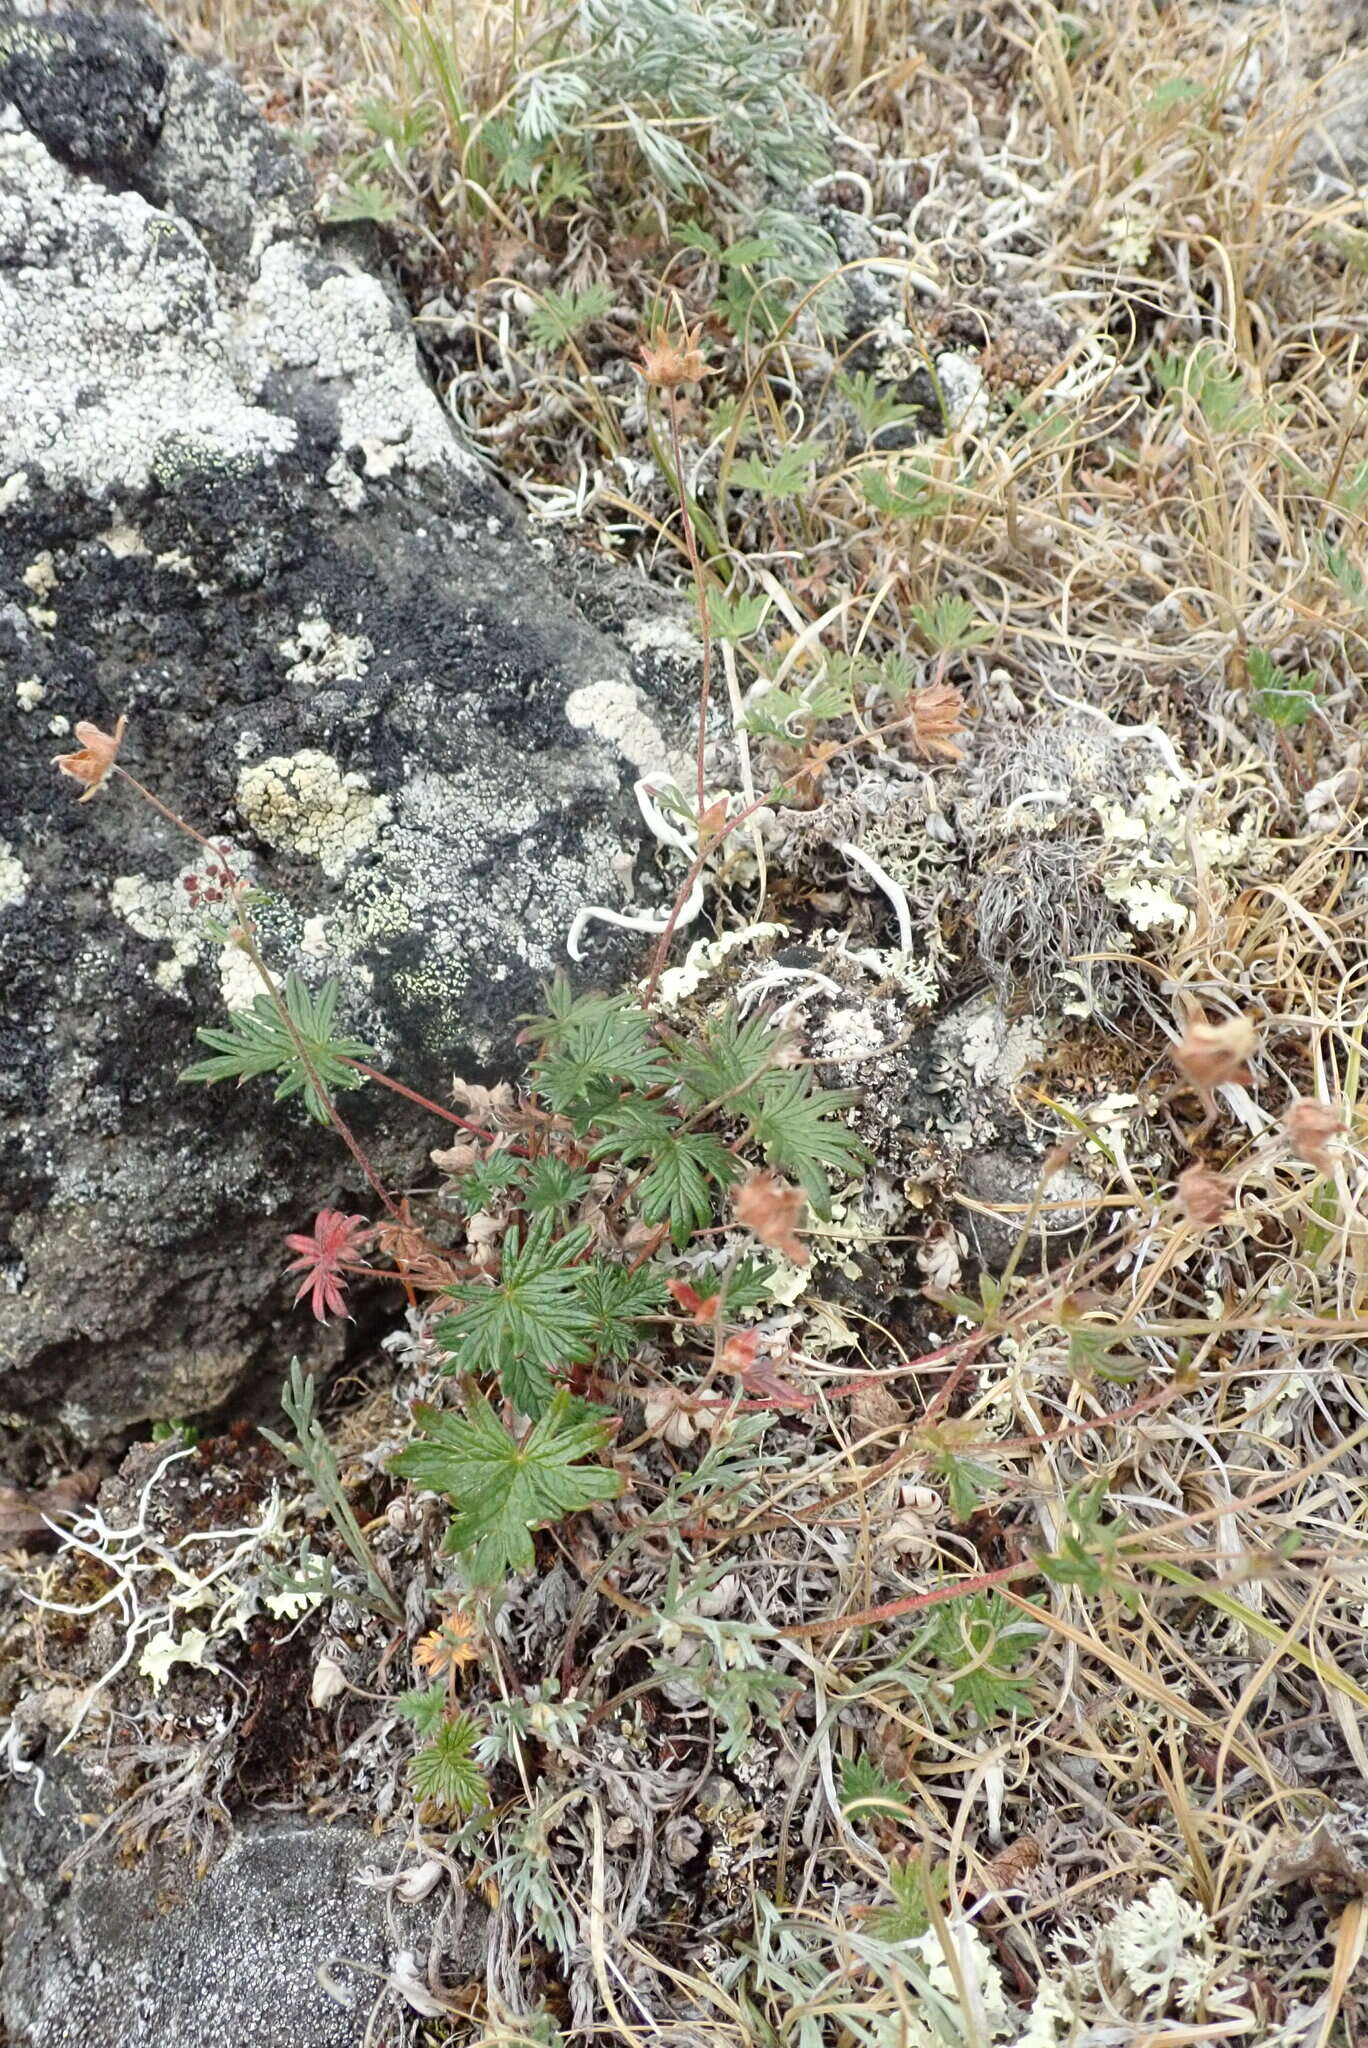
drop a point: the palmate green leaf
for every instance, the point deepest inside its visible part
(734, 1053)
(632, 1127)
(799, 1131)
(445, 1773)
(588, 1041)
(528, 1321)
(553, 1184)
(980, 1641)
(620, 1303)
(258, 1042)
(864, 1785)
(913, 1887)
(503, 1489)
(561, 316)
(426, 1707)
(678, 1188)
(788, 476)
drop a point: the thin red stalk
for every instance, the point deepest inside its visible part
(695, 870)
(912, 1603)
(423, 1101)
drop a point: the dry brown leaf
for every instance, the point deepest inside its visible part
(773, 1210)
(480, 1101)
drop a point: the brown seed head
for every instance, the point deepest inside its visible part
(1307, 1125)
(1204, 1196)
(668, 364)
(935, 714)
(1210, 1054)
(97, 755)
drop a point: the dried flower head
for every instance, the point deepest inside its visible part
(773, 1210)
(456, 1641)
(1308, 1126)
(97, 755)
(1210, 1054)
(420, 1262)
(934, 715)
(668, 364)
(1204, 1197)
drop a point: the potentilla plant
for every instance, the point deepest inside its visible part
(630, 1143)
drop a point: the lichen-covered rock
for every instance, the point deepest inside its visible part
(232, 508)
(289, 1939)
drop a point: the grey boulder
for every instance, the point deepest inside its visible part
(233, 509)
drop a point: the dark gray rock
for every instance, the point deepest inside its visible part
(95, 96)
(232, 509)
(115, 1955)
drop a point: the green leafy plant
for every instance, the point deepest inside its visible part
(1284, 698)
(260, 1041)
(904, 493)
(444, 1772)
(505, 1488)
(948, 626)
(528, 1320)
(864, 1788)
(1208, 382)
(560, 317)
(788, 476)
(1089, 1553)
(875, 409)
(913, 1887)
(313, 1455)
(979, 1642)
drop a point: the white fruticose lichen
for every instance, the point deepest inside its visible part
(319, 653)
(1161, 1945)
(303, 803)
(1157, 852)
(705, 957)
(13, 876)
(686, 840)
(29, 693)
(231, 1574)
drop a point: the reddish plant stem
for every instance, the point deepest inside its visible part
(695, 870)
(912, 1603)
(423, 1101)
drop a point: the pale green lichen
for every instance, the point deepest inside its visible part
(1157, 851)
(302, 803)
